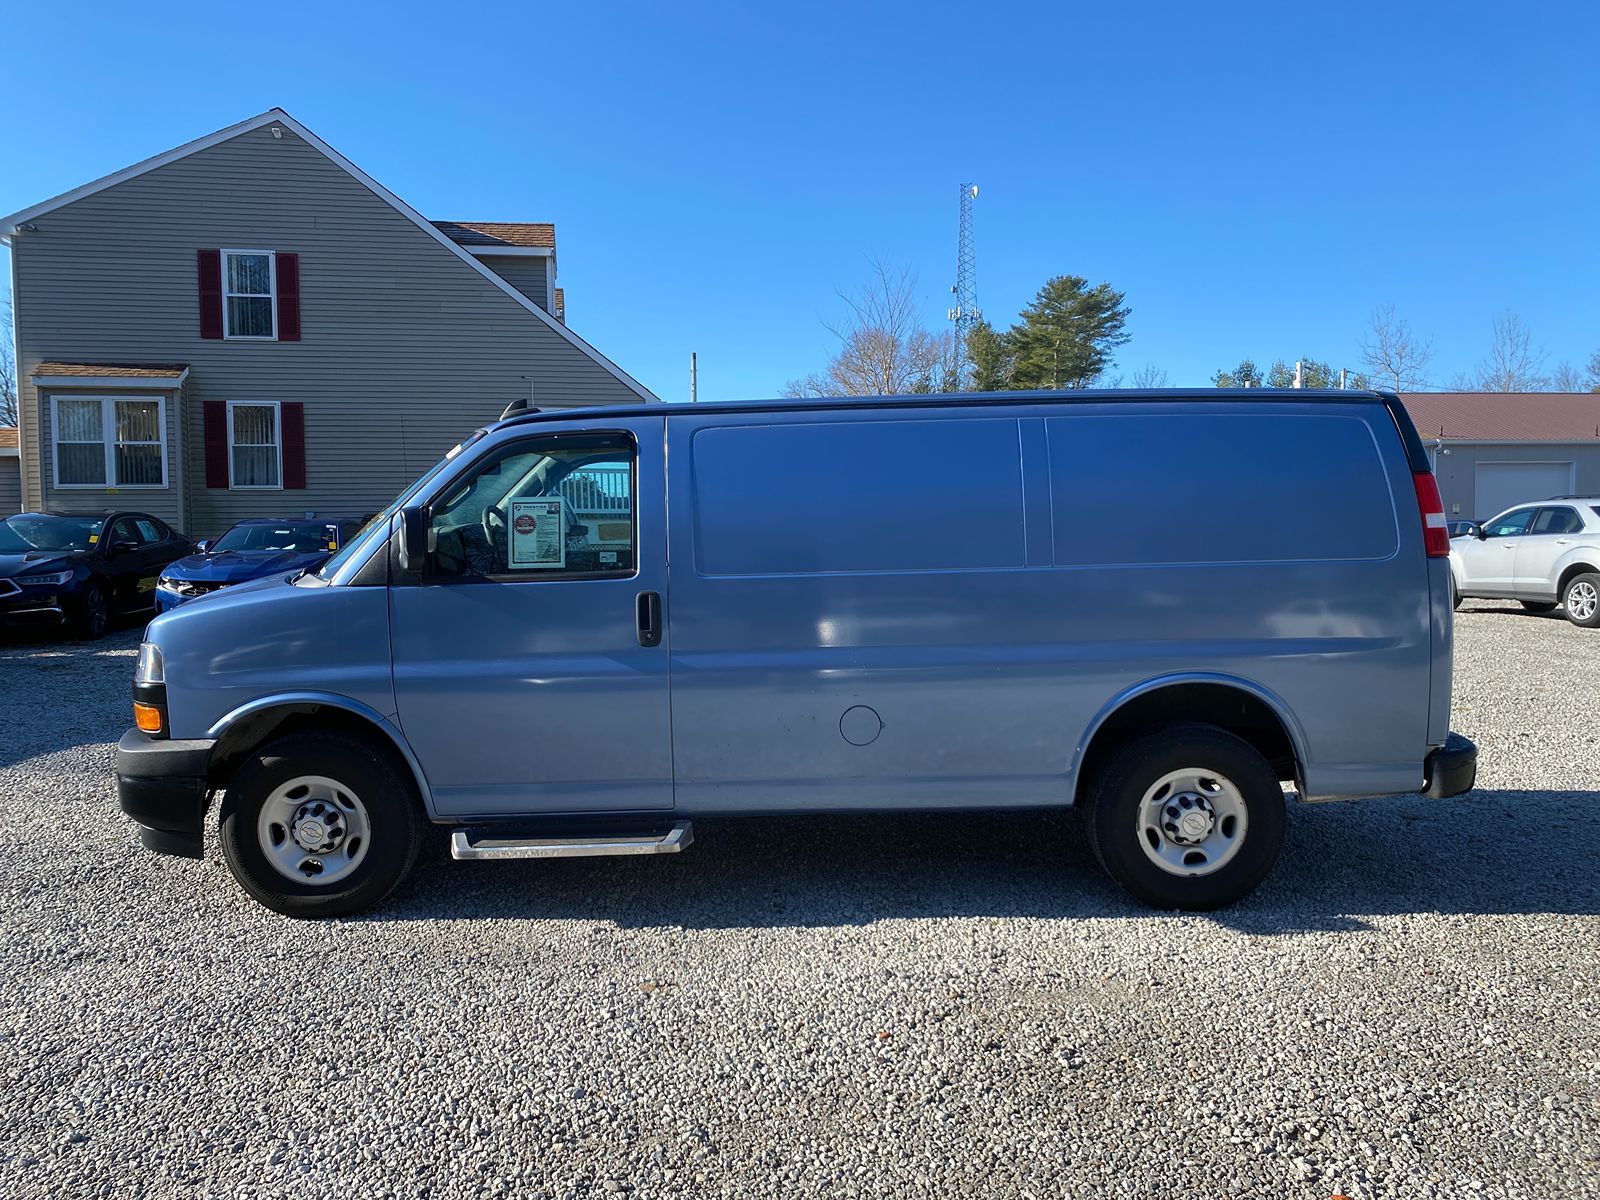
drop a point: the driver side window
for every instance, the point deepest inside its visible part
(560, 506)
(1510, 525)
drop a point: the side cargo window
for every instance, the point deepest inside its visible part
(549, 508)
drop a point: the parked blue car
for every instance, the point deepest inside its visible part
(251, 550)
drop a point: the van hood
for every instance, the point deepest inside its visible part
(236, 566)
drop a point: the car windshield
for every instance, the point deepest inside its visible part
(18, 535)
(304, 536)
(374, 526)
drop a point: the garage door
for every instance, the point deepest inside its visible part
(1499, 485)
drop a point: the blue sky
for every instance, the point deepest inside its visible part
(1257, 177)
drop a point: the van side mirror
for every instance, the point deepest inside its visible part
(413, 539)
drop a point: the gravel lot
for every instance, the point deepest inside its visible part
(911, 1007)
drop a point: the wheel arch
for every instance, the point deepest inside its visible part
(1241, 706)
(252, 725)
(1576, 566)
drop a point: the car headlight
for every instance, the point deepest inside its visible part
(150, 668)
(51, 579)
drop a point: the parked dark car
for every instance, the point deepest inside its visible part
(251, 550)
(81, 570)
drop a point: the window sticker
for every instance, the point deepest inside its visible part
(537, 534)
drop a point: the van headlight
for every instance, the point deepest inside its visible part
(150, 668)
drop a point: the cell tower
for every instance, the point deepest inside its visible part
(966, 313)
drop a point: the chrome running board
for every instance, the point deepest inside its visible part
(499, 843)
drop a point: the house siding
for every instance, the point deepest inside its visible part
(404, 348)
(10, 486)
(528, 275)
(1457, 471)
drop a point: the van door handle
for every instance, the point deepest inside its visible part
(647, 617)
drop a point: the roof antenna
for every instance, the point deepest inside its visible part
(518, 407)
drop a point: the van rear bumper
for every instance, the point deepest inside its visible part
(1451, 769)
(162, 785)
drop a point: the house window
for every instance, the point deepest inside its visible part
(255, 458)
(249, 294)
(109, 441)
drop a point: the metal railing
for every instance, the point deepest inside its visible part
(601, 490)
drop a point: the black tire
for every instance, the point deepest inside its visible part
(1455, 596)
(1117, 791)
(1538, 606)
(1580, 593)
(386, 793)
(92, 614)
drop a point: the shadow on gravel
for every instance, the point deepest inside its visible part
(1494, 852)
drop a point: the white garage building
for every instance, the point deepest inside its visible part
(1495, 449)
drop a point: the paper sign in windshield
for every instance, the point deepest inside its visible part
(538, 534)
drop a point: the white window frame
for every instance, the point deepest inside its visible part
(277, 432)
(108, 429)
(272, 276)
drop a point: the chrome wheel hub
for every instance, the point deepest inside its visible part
(1191, 822)
(313, 829)
(317, 827)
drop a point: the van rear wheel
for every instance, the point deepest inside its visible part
(1187, 816)
(318, 825)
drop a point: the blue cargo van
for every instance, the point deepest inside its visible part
(583, 629)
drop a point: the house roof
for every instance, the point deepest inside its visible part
(16, 224)
(8, 437)
(1506, 416)
(499, 233)
(112, 370)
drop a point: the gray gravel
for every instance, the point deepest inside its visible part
(911, 1007)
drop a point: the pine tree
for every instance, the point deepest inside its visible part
(1068, 335)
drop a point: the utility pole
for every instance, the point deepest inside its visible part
(694, 378)
(1341, 378)
(1299, 373)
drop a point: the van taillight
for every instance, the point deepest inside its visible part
(1435, 536)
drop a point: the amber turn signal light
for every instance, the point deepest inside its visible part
(147, 717)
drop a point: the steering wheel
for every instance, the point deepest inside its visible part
(494, 525)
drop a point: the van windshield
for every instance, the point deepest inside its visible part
(377, 526)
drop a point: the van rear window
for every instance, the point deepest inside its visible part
(1217, 488)
(853, 496)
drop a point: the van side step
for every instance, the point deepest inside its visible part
(489, 842)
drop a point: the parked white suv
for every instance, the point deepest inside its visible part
(1542, 554)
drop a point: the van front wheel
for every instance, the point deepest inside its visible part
(1187, 816)
(317, 825)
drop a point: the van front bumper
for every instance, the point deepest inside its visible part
(1451, 769)
(162, 785)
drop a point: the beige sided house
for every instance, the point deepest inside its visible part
(250, 326)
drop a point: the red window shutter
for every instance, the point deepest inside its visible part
(288, 297)
(211, 300)
(294, 444)
(215, 413)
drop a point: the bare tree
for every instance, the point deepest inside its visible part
(1394, 355)
(1513, 365)
(1567, 378)
(1593, 372)
(1150, 377)
(8, 365)
(883, 348)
